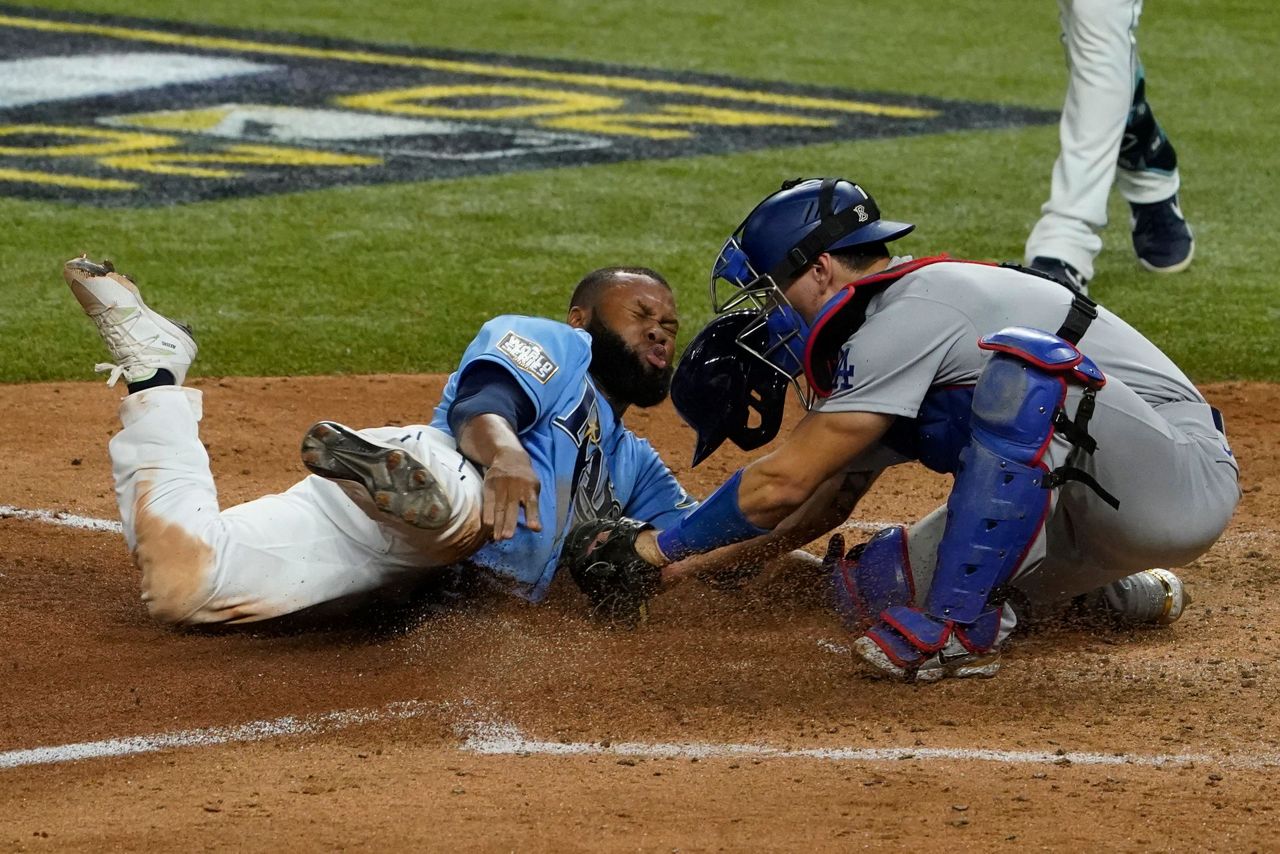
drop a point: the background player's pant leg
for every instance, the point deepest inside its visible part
(1098, 36)
(263, 559)
(1155, 177)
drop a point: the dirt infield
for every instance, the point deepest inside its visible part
(485, 724)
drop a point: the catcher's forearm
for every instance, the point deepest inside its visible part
(829, 506)
(715, 523)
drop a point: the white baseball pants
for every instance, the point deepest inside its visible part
(277, 554)
(1099, 37)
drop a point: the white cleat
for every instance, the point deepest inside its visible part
(140, 340)
(1151, 596)
(952, 661)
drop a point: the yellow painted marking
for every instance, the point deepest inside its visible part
(651, 125)
(79, 182)
(367, 57)
(540, 102)
(182, 163)
(101, 141)
(183, 121)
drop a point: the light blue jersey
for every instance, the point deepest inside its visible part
(588, 463)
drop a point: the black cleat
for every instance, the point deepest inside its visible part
(397, 483)
(1161, 237)
(1062, 272)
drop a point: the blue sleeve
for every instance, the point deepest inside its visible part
(545, 358)
(488, 389)
(657, 497)
(718, 521)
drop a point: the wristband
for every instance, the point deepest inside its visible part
(716, 522)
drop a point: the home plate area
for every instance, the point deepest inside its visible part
(735, 719)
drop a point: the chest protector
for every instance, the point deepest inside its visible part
(940, 431)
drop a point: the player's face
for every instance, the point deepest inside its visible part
(633, 331)
(809, 292)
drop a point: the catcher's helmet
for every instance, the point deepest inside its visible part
(789, 229)
(717, 388)
(782, 236)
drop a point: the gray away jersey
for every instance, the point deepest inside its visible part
(923, 330)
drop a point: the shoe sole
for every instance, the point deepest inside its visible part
(77, 271)
(398, 484)
(1176, 268)
(933, 669)
(1176, 597)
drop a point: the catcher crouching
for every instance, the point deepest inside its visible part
(1082, 456)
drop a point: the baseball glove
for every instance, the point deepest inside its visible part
(601, 556)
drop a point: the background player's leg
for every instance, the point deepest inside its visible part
(1148, 179)
(1101, 63)
(1148, 163)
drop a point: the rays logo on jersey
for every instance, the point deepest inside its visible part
(528, 356)
(593, 496)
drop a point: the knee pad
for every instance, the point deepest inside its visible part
(872, 577)
(1000, 497)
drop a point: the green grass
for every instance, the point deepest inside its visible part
(397, 278)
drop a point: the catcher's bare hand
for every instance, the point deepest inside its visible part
(509, 484)
(602, 558)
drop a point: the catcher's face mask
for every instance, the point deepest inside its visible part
(775, 333)
(722, 393)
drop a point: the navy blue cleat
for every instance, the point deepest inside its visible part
(1161, 237)
(1061, 271)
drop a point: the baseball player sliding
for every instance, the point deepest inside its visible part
(526, 442)
(1082, 455)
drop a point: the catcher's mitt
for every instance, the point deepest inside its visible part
(601, 556)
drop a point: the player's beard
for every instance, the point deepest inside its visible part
(623, 375)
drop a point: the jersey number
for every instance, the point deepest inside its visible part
(592, 490)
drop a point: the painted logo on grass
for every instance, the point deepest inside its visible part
(115, 111)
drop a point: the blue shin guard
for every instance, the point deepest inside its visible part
(1001, 494)
(872, 577)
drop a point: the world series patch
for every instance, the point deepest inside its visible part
(528, 356)
(128, 112)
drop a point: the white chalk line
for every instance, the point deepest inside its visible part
(60, 518)
(503, 739)
(497, 738)
(289, 725)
